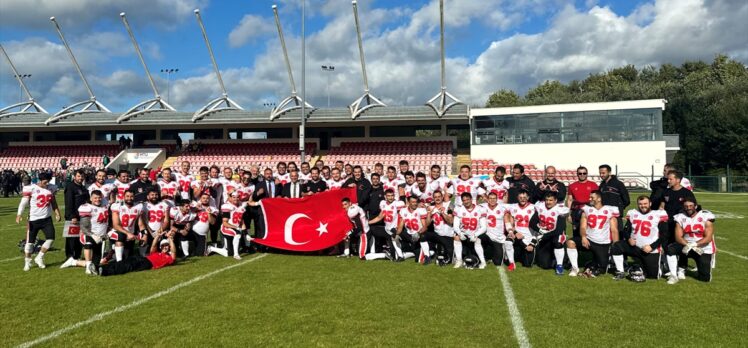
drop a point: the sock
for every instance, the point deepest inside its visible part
(398, 250)
(573, 255)
(479, 250)
(458, 250)
(409, 254)
(186, 247)
(27, 260)
(347, 249)
(425, 249)
(235, 243)
(373, 243)
(41, 255)
(618, 260)
(559, 255)
(118, 250)
(375, 256)
(87, 263)
(672, 263)
(509, 251)
(220, 251)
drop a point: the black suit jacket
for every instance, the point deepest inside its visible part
(286, 191)
(262, 184)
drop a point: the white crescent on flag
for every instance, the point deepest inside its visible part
(288, 230)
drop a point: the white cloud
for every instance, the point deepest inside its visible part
(251, 27)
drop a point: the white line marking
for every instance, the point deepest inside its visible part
(721, 238)
(732, 254)
(519, 328)
(133, 304)
(11, 259)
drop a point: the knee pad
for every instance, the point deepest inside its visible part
(47, 243)
(28, 248)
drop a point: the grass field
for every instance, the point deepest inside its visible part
(285, 300)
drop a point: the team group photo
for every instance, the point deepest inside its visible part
(282, 174)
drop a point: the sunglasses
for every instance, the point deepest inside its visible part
(582, 173)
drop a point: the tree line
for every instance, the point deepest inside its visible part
(707, 105)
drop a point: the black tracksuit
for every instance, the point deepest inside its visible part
(75, 196)
(363, 189)
(524, 183)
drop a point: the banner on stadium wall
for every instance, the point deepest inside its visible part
(306, 224)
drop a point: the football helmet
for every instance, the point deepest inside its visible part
(636, 274)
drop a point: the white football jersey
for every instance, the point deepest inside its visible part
(695, 226)
(441, 227)
(470, 186)
(99, 218)
(393, 185)
(128, 216)
(426, 195)
(155, 214)
(234, 213)
(549, 217)
(335, 185)
(201, 225)
(469, 221)
(413, 219)
(202, 186)
(245, 192)
(120, 188)
(644, 227)
(499, 188)
(305, 177)
(495, 221)
(168, 190)
(229, 186)
(179, 218)
(285, 178)
(391, 213)
(409, 189)
(522, 216)
(40, 200)
(598, 223)
(184, 181)
(439, 184)
(358, 216)
(105, 189)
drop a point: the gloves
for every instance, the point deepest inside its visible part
(542, 231)
(697, 250)
(688, 247)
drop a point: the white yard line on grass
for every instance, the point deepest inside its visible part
(519, 328)
(11, 259)
(720, 238)
(732, 254)
(133, 304)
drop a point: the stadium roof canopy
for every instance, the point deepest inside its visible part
(320, 115)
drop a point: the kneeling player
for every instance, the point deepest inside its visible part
(205, 217)
(469, 225)
(517, 223)
(413, 221)
(389, 212)
(358, 239)
(694, 238)
(440, 232)
(94, 223)
(495, 237)
(42, 201)
(598, 227)
(181, 218)
(232, 213)
(125, 215)
(550, 222)
(641, 239)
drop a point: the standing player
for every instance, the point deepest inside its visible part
(598, 229)
(469, 224)
(437, 182)
(101, 186)
(404, 168)
(694, 238)
(517, 223)
(422, 190)
(94, 224)
(125, 220)
(410, 183)
(579, 196)
(202, 182)
(414, 220)
(550, 223)
(495, 236)
(306, 173)
(184, 179)
(121, 185)
(336, 181)
(282, 176)
(496, 184)
(641, 239)
(205, 217)
(465, 183)
(232, 214)
(156, 216)
(41, 198)
(168, 187)
(392, 182)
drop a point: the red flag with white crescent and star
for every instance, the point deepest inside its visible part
(311, 223)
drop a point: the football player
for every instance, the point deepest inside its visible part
(440, 230)
(517, 224)
(358, 238)
(231, 229)
(41, 199)
(465, 183)
(125, 220)
(422, 190)
(281, 174)
(413, 221)
(121, 185)
(168, 187)
(694, 238)
(94, 224)
(389, 211)
(156, 216)
(202, 183)
(641, 239)
(205, 216)
(598, 228)
(181, 218)
(101, 186)
(184, 179)
(407, 187)
(495, 236)
(496, 184)
(469, 224)
(306, 172)
(392, 182)
(336, 181)
(549, 222)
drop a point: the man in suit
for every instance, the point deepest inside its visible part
(293, 188)
(265, 188)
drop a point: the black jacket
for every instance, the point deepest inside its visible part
(75, 196)
(556, 187)
(524, 183)
(376, 195)
(615, 193)
(363, 189)
(658, 188)
(141, 190)
(262, 184)
(286, 190)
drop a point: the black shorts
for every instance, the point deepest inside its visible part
(600, 252)
(35, 226)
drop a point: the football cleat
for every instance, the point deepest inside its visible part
(681, 273)
(40, 261)
(559, 270)
(69, 263)
(458, 264)
(482, 265)
(237, 257)
(619, 276)
(27, 266)
(672, 279)
(511, 267)
(91, 269)
(426, 260)
(574, 272)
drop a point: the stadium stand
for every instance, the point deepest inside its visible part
(420, 154)
(243, 155)
(35, 157)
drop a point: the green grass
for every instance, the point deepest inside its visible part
(286, 300)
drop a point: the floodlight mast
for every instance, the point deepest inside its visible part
(366, 101)
(293, 101)
(216, 104)
(91, 105)
(441, 101)
(25, 106)
(155, 104)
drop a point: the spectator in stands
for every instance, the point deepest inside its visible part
(128, 142)
(122, 142)
(550, 184)
(105, 160)
(76, 195)
(614, 192)
(64, 163)
(520, 182)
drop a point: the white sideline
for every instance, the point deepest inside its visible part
(732, 254)
(11, 259)
(133, 304)
(519, 328)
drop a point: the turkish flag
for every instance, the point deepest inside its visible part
(310, 223)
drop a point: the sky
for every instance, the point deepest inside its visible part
(490, 45)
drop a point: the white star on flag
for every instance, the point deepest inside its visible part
(322, 228)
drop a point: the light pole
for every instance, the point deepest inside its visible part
(302, 129)
(330, 69)
(20, 87)
(168, 73)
